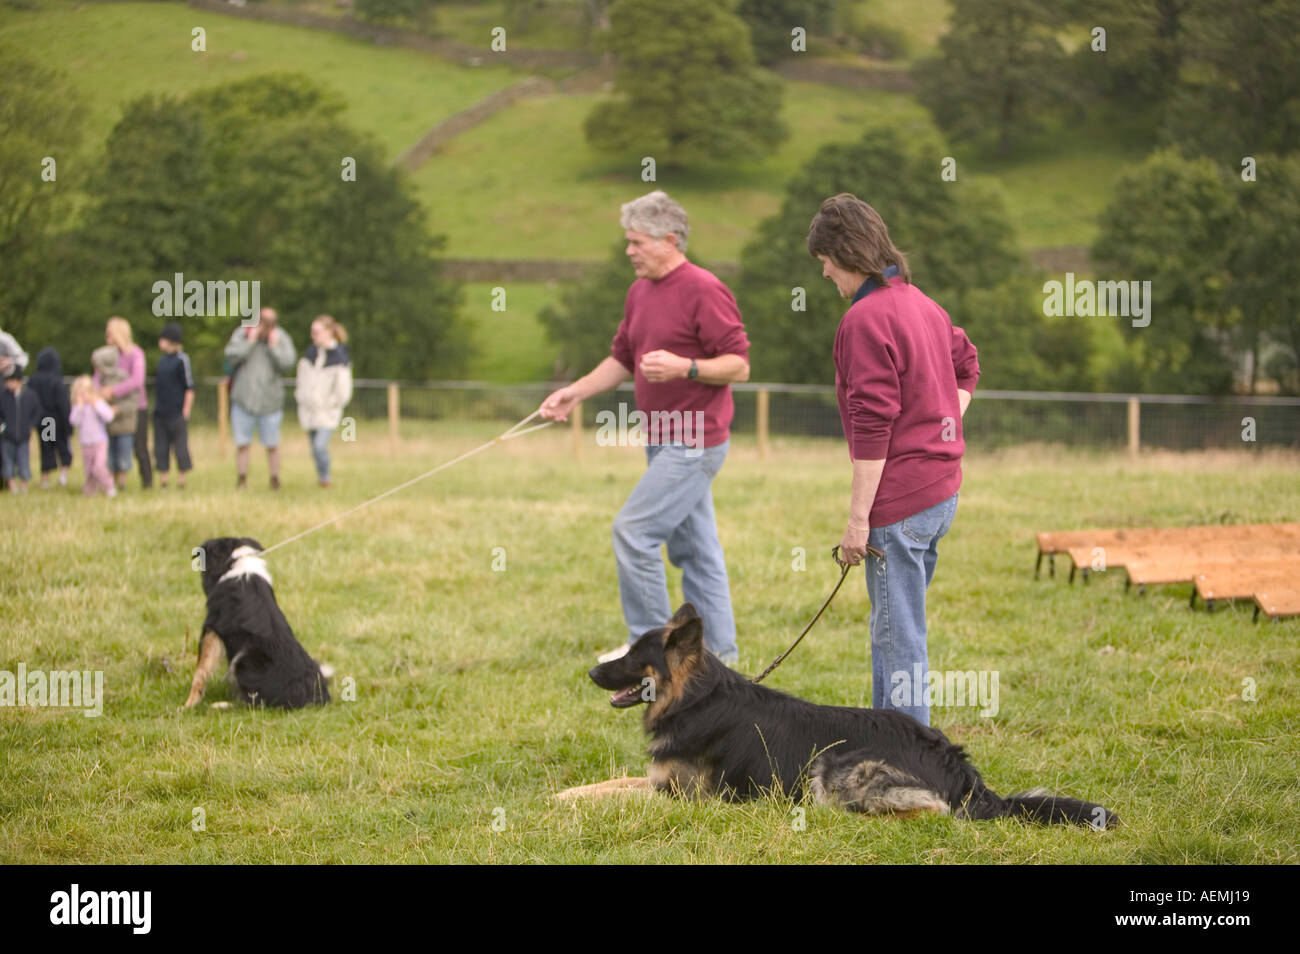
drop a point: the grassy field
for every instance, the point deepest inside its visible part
(473, 706)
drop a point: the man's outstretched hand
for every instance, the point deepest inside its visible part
(559, 403)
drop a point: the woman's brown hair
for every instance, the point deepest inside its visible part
(335, 328)
(854, 237)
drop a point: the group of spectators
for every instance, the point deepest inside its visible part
(108, 410)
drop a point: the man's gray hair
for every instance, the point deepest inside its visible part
(656, 215)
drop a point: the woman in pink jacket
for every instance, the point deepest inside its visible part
(118, 334)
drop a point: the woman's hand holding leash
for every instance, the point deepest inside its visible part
(854, 546)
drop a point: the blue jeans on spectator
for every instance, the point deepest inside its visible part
(673, 504)
(897, 588)
(120, 449)
(320, 440)
(242, 424)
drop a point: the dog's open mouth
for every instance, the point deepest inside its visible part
(625, 698)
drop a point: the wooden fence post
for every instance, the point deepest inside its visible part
(1134, 426)
(576, 430)
(394, 416)
(223, 418)
(764, 449)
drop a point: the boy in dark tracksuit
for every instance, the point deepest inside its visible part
(173, 399)
(20, 411)
(48, 384)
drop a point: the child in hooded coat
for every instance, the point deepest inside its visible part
(47, 382)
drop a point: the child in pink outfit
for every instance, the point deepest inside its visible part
(89, 415)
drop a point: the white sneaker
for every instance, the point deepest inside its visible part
(613, 654)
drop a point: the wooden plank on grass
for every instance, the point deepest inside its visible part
(1211, 552)
(1059, 541)
(1242, 580)
(1185, 566)
(1276, 603)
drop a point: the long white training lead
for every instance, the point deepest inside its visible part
(509, 434)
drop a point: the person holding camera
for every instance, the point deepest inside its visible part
(258, 356)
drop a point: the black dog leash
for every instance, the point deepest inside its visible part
(844, 572)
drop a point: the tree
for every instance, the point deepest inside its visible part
(959, 243)
(394, 11)
(1170, 222)
(148, 214)
(1265, 282)
(40, 118)
(771, 22)
(153, 202)
(999, 69)
(1239, 91)
(362, 252)
(691, 90)
(1145, 42)
(1020, 349)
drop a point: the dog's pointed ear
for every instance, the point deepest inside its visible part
(685, 613)
(687, 638)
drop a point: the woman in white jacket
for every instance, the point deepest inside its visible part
(323, 388)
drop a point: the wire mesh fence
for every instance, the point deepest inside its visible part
(996, 419)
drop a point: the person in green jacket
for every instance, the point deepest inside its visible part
(259, 356)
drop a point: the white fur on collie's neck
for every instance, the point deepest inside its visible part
(246, 562)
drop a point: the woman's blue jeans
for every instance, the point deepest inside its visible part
(897, 588)
(320, 440)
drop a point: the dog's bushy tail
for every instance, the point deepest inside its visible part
(1042, 806)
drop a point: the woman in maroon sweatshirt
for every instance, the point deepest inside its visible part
(903, 376)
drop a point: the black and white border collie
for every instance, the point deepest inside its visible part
(268, 666)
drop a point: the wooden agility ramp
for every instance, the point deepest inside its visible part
(1259, 561)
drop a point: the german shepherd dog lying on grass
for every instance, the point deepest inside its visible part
(713, 732)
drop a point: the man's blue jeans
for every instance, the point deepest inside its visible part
(673, 504)
(897, 588)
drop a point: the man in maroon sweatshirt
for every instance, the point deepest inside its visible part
(682, 341)
(904, 377)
